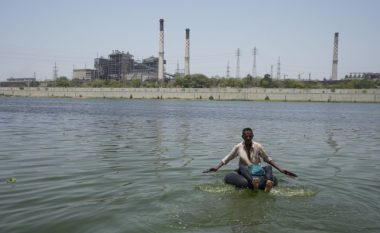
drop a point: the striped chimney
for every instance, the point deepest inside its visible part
(161, 52)
(187, 52)
(334, 75)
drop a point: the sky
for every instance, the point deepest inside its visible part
(37, 34)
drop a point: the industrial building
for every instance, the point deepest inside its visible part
(101, 68)
(21, 79)
(123, 66)
(84, 74)
(18, 82)
(361, 75)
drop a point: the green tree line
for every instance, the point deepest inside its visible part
(202, 81)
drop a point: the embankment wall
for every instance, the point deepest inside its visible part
(258, 94)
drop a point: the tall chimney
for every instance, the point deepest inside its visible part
(334, 75)
(161, 52)
(187, 52)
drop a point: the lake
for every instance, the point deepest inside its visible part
(117, 165)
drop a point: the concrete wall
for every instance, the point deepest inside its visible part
(320, 95)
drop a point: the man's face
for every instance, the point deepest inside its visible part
(247, 135)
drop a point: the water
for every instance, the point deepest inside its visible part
(98, 165)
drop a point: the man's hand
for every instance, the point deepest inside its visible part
(211, 169)
(214, 169)
(289, 173)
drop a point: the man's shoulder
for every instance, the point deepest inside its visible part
(256, 144)
(239, 144)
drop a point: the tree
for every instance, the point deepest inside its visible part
(97, 83)
(76, 82)
(248, 81)
(62, 82)
(292, 83)
(198, 80)
(266, 82)
(136, 83)
(34, 84)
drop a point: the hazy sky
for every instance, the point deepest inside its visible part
(37, 33)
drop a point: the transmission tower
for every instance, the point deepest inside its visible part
(278, 68)
(238, 63)
(254, 70)
(55, 71)
(228, 69)
(271, 71)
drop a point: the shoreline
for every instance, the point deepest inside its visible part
(203, 94)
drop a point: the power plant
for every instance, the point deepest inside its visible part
(123, 66)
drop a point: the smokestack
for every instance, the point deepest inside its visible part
(334, 75)
(161, 52)
(187, 52)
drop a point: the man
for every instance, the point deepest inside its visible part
(250, 154)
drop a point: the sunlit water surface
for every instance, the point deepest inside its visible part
(98, 165)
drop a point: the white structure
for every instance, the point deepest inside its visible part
(84, 74)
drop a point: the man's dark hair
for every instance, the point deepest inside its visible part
(246, 129)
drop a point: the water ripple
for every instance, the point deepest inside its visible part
(99, 165)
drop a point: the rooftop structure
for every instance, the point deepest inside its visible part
(84, 74)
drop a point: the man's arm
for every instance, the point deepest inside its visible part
(215, 168)
(224, 161)
(273, 164)
(286, 172)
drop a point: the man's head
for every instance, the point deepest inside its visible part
(247, 134)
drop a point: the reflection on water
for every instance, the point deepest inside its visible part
(294, 192)
(216, 188)
(332, 143)
(136, 166)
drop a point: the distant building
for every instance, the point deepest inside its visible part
(151, 62)
(19, 82)
(369, 75)
(119, 65)
(84, 74)
(101, 67)
(20, 79)
(122, 66)
(145, 70)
